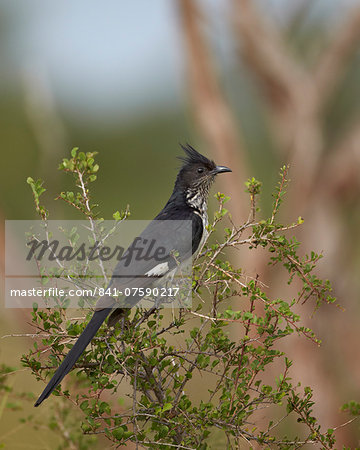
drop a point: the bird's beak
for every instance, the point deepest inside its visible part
(221, 169)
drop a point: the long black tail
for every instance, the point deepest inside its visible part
(74, 354)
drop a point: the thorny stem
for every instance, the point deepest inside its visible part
(89, 214)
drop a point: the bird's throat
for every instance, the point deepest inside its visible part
(197, 199)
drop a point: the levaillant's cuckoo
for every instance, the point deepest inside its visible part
(187, 203)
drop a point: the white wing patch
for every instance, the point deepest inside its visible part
(158, 270)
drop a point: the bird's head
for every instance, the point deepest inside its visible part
(197, 172)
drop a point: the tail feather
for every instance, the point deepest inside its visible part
(74, 354)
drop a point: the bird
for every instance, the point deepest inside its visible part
(187, 204)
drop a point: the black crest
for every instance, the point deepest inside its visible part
(193, 157)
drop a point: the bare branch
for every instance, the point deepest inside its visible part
(264, 51)
(42, 112)
(334, 61)
(340, 177)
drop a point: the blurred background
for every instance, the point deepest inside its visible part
(252, 84)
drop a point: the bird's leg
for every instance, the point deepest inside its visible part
(118, 314)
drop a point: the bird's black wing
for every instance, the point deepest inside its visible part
(173, 236)
(180, 236)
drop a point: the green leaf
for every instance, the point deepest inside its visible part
(166, 407)
(118, 433)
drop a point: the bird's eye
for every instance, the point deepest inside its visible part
(200, 170)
